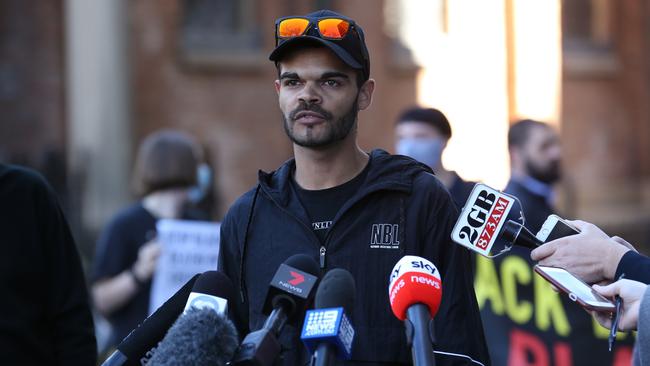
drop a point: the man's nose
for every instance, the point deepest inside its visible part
(309, 94)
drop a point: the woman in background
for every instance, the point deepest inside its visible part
(127, 250)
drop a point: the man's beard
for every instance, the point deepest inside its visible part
(337, 130)
(549, 175)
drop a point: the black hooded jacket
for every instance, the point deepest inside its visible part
(268, 224)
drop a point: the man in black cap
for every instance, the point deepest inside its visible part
(344, 207)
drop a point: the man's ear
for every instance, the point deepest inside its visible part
(365, 94)
(277, 86)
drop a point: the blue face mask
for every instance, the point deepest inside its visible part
(425, 150)
(203, 183)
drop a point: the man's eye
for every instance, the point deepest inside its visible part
(291, 82)
(332, 83)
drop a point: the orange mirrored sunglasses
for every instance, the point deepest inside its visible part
(329, 28)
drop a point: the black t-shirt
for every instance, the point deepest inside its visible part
(323, 205)
(117, 250)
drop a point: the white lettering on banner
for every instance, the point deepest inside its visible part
(188, 248)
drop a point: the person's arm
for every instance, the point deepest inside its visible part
(631, 293)
(591, 255)
(110, 294)
(635, 266)
(67, 296)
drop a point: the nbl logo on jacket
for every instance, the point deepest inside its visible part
(384, 236)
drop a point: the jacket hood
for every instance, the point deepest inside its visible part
(390, 172)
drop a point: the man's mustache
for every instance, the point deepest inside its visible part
(312, 108)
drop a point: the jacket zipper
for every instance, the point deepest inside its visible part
(323, 251)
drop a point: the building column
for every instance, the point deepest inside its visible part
(98, 111)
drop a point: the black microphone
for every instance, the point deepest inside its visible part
(202, 335)
(327, 331)
(138, 346)
(517, 234)
(289, 294)
(211, 290)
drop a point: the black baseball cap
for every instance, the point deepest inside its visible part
(351, 49)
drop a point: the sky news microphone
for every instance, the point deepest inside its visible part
(203, 335)
(138, 346)
(289, 294)
(415, 291)
(327, 332)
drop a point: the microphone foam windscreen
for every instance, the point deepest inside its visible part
(199, 337)
(304, 263)
(214, 283)
(336, 289)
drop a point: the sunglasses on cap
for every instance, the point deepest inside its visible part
(328, 28)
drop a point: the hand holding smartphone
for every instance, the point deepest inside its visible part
(577, 290)
(554, 228)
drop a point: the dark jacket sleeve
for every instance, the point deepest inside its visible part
(231, 240)
(635, 266)
(458, 323)
(67, 296)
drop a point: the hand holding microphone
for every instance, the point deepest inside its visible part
(415, 291)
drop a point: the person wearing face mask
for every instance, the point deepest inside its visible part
(422, 134)
(128, 250)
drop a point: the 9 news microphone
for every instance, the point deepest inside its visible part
(415, 291)
(327, 331)
(289, 293)
(136, 348)
(203, 335)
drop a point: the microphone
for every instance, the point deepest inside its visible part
(327, 330)
(517, 234)
(203, 334)
(211, 290)
(480, 221)
(137, 347)
(288, 295)
(415, 291)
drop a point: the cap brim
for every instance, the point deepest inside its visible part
(280, 50)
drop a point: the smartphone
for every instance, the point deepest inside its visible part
(554, 228)
(577, 290)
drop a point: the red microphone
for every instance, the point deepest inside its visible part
(415, 291)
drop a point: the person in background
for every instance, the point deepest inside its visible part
(423, 134)
(525, 321)
(127, 250)
(535, 163)
(46, 317)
